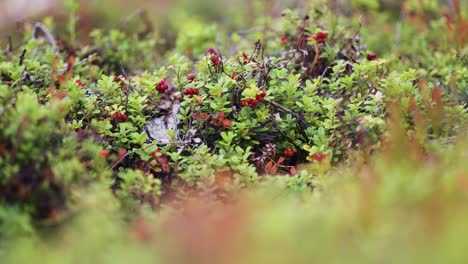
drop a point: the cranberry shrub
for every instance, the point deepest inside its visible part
(305, 90)
(41, 159)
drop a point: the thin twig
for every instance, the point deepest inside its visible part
(258, 45)
(301, 123)
(10, 45)
(121, 159)
(282, 107)
(22, 57)
(47, 35)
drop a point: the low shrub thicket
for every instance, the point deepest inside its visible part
(295, 104)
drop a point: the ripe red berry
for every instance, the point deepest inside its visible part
(321, 37)
(372, 56)
(215, 59)
(317, 156)
(80, 83)
(162, 86)
(234, 76)
(191, 77)
(123, 117)
(288, 152)
(211, 51)
(120, 116)
(191, 92)
(104, 153)
(244, 59)
(117, 79)
(188, 91)
(284, 40)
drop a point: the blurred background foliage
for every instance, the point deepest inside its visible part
(381, 17)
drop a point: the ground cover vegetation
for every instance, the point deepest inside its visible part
(324, 133)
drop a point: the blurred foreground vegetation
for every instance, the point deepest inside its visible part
(300, 132)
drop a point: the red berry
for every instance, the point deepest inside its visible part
(117, 79)
(191, 92)
(244, 59)
(321, 37)
(123, 117)
(211, 51)
(162, 86)
(188, 91)
(255, 102)
(104, 153)
(288, 152)
(191, 77)
(372, 56)
(284, 40)
(234, 76)
(318, 156)
(120, 116)
(215, 59)
(80, 83)
(244, 103)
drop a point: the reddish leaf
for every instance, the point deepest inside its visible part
(274, 169)
(268, 166)
(292, 170)
(280, 160)
(227, 123)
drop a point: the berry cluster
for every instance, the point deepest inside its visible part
(317, 156)
(214, 56)
(289, 152)
(120, 116)
(321, 37)
(191, 92)
(162, 86)
(80, 83)
(254, 102)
